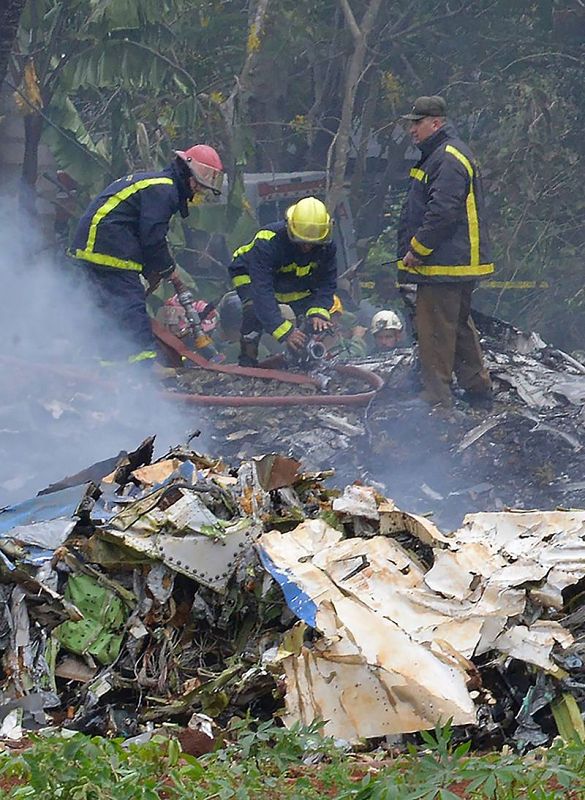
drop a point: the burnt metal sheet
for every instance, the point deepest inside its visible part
(275, 471)
(122, 465)
(45, 535)
(45, 508)
(388, 621)
(480, 430)
(209, 561)
(31, 531)
(299, 602)
(366, 676)
(182, 510)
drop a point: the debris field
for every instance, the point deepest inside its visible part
(383, 569)
(137, 593)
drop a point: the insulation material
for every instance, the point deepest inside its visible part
(393, 629)
(359, 501)
(366, 676)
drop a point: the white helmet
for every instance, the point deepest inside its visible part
(385, 321)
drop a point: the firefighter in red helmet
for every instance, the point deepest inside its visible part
(122, 235)
(204, 165)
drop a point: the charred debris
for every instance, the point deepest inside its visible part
(315, 584)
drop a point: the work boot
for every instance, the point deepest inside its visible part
(163, 373)
(249, 350)
(483, 401)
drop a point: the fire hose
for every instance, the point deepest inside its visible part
(359, 399)
(206, 357)
(234, 401)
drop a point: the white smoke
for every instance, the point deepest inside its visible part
(60, 410)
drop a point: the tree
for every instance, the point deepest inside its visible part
(89, 76)
(10, 14)
(359, 33)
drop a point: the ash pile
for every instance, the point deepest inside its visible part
(527, 451)
(140, 592)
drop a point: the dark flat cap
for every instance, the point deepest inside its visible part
(433, 106)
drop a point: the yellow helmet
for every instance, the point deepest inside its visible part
(337, 306)
(309, 221)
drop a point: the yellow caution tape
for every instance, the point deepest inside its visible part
(489, 284)
(514, 284)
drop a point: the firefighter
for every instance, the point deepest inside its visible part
(122, 235)
(444, 247)
(386, 330)
(292, 262)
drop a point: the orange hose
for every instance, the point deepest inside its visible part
(359, 399)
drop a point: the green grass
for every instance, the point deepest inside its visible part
(266, 762)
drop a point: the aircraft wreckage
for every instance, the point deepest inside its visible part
(143, 590)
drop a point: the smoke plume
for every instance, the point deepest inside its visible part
(60, 408)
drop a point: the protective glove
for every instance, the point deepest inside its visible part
(154, 277)
(410, 259)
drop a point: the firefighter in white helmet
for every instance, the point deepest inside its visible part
(292, 262)
(386, 329)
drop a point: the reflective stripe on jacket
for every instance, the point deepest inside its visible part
(271, 269)
(443, 219)
(126, 225)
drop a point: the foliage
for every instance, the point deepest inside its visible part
(263, 760)
(197, 69)
(103, 69)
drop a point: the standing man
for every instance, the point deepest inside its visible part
(444, 247)
(122, 235)
(292, 262)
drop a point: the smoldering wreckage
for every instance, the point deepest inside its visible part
(188, 588)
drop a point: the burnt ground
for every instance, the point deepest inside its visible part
(422, 461)
(528, 451)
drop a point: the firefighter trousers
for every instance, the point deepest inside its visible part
(252, 329)
(448, 342)
(119, 294)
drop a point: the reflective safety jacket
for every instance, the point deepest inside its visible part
(443, 219)
(126, 225)
(271, 269)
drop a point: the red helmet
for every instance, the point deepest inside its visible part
(205, 166)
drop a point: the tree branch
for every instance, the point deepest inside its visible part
(341, 143)
(350, 19)
(542, 55)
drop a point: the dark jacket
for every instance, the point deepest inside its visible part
(443, 219)
(126, 225)
(272, 269)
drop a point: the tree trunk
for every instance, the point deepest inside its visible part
(235, 110)
(359, 190)
(33, 128)
(10, 11)
(354, 74)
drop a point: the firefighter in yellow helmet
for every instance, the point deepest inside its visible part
(294, 262)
